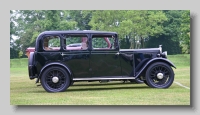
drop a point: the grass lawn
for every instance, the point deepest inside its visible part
(24, 91)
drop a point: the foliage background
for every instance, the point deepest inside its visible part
(136, 28)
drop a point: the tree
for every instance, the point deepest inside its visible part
(171, 34)
(136, 25)
(13, 50)
(28, 26)
(82, 17)
(30, 23)
(12, 26)
(185, 31)
(172, 47)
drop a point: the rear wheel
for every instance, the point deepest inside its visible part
(159, 75)
(55, 79)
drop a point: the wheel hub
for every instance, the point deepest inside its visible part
(159, 75)
(55, 79)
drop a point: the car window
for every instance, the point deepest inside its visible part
(102, 42)
(75, 42)
(51, 43)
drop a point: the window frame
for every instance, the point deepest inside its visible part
(102, 36)
(64, 45)
(55, 48)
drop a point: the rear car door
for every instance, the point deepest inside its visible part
(76, 54)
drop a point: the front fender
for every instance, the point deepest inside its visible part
(155, 60)
(162, 59)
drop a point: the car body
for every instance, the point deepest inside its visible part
(61, 58)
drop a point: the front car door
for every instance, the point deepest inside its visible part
(103, 59)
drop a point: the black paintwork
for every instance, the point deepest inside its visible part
(91, 63)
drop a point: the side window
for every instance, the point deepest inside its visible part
(51, 43)
(102, 42)
(76, 42)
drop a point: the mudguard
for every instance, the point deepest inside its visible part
(31, 68)
(56, 64)
(152, 61)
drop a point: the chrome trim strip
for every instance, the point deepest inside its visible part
(144, 49)
(100, 78)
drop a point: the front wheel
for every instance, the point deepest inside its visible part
(159, 75)
(55, 79)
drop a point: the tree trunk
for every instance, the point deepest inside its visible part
(142, 42)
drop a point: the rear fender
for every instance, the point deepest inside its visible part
(56, 64)
(31, 67)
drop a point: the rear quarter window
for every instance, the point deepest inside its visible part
(51, 43)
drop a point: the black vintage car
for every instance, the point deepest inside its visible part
(61, 58)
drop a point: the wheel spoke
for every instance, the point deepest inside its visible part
(159, 75)
(162, 81)
(55, 79)
(162, 70)
(58, 74)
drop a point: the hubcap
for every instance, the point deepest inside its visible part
(55, 79)
(159, 75)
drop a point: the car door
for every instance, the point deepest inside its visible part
(76, 54)
(103, 59)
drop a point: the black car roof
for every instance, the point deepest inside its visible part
(78, 31)
(70, 32)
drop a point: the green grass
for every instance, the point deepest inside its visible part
(24, 91)
(180, 60)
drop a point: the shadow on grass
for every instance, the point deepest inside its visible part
(107, 88)
(99, 87)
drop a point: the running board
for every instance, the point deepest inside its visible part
(102, 78)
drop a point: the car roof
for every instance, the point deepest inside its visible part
(71, 32)
(78, 32)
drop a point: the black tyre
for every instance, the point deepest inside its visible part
(71, 83)
(146, 82)
(55, 79)
(159, 75)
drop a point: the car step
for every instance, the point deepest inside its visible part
(102, 78)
